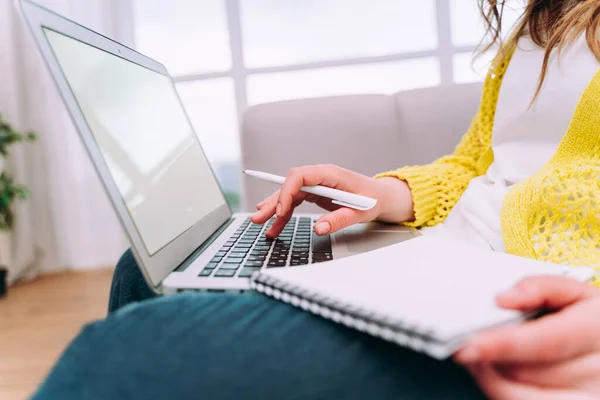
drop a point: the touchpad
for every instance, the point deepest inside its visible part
(362, 241)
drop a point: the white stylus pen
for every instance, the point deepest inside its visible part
(338, 197)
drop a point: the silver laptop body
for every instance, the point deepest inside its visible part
(182, 231)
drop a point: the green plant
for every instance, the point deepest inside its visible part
(9, 190)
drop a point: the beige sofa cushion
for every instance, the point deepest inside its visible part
(365, 133)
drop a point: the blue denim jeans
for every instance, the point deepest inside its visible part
(222, 346)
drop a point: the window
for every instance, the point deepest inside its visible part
(228, 54)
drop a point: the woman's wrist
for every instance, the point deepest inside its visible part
(396, 201)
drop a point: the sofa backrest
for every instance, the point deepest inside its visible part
(364, 133)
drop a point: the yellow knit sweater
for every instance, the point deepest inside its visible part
(552, 216)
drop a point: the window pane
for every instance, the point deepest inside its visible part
(467, 23)
(385, 78)
(212, 110)
(279, 32)
(188, 36)
(466, 71)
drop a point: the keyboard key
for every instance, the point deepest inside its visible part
(247, 272)
(262, 248)
(221, 253)
(211, 265)
(295, 263)
(225, 273)
(236, 255)
(206, 272)
(275, 260)
(319, 257)
(216, 259)
(233, 261)
(321, 244)
(229, 266)
(239, 251)
(257, 258)
(242, 246)
(254, 264)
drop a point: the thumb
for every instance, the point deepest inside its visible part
(337, 220)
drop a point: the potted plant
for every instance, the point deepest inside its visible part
(9, 192)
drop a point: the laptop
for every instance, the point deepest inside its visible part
(132, 122)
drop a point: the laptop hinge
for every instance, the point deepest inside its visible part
(188, 261)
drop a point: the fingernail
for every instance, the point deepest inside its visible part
(513, 292)
(278, 209)
(323, 228)
(469, 355)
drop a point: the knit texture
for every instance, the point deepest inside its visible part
(436, 187)
(552, 216)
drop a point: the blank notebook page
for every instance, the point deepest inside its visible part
(441, 287)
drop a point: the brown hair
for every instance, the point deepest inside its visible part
(550, 24)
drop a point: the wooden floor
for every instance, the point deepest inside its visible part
(37, 321)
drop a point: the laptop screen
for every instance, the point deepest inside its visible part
(144, 136)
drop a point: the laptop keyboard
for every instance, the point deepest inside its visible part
(248, 249)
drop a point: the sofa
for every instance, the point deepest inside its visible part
(367, 133)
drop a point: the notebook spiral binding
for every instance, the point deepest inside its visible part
(402, 334)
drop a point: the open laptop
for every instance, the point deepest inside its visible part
(182, 231)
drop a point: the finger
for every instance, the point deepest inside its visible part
(312, 175)
(281, 221)
(553, 338)
(573, 372)
(262, 203)
(322, 202)
(278, 226)
(338, 219)
(267, 210)
(496, 386)
(550, 292)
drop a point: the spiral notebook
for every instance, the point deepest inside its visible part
(426, 294)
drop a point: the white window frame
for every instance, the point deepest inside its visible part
(444, 52)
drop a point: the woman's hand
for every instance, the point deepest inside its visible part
(394, 201)
(554, 357)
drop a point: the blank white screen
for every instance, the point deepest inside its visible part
(145, 138)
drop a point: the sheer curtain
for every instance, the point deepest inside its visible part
(68, 222)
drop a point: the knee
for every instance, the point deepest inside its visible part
(128, 284)
(127, 268)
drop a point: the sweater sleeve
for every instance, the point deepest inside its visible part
(436, 187)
